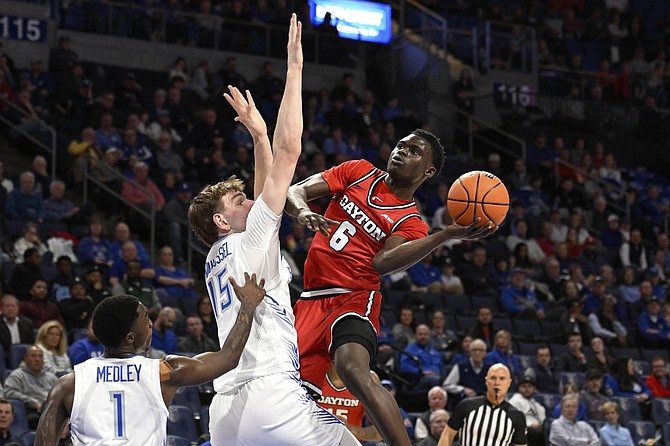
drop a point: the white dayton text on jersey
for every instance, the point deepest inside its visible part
(118, 400)
(272, 345)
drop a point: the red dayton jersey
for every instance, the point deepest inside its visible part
(368, 213)
(341, 403)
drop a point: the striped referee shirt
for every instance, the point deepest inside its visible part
(479, 423)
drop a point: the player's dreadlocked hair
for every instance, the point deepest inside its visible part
(113, 319)
(436, 148)
(206, 204)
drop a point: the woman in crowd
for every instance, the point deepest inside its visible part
(623, 381)
(52, 341)
(403, 331)
(463, 351)
(208, 321)
(613, 433)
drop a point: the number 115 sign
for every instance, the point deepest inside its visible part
(21, 28)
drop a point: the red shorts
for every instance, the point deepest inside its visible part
(314, 322)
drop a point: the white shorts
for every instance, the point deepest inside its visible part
(273, 410)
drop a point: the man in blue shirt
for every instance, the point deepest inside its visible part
(162, 337)
(85, 348)
(429, 359)
(519, 300)
(24, 203)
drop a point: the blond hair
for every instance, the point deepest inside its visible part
(61, 348)
(206, 204)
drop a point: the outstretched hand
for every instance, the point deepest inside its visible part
(294, 46)
(316, 222)
(471, 232)
(251, 292)
(247, 113)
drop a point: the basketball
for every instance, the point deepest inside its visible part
(478, 194)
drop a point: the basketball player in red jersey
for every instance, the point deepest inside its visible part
(377, 230)
(336, 399)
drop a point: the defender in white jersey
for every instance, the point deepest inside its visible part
(121, 397)
(261, 401)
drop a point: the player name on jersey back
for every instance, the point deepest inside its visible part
(339, 401)
(118, 373)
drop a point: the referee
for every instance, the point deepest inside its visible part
(487, 420)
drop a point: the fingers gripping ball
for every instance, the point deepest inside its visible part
(478, 194)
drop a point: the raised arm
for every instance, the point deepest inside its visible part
(296, 203)
(398, 254)
(288, 133)
(207, 366)
(248, 114)
(56, 412)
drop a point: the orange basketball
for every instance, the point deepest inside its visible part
(478, 194)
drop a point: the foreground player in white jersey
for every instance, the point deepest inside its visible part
(262, 401)
(121, 397)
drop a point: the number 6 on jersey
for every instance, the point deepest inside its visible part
(340, 237)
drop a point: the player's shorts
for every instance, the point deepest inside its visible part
(273, 410)
(314, 322)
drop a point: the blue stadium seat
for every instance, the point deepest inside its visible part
(528, 348)
(465, 322)
(458, 303)
(16, 354)
(28, 438)
(597, 425)
(660, 410)
(666, 433)
(432, 301)
(20, 424)
(552, 330)
(527, 329)
(630, 352)
(649, 354)
(547, 428)
(174, 440)
(188, 397)
(182, 423)
(204, 419)
(629, 408)
(641, 430)
(486, 301)
(504, 323)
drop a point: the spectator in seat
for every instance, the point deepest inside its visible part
(119, 268)
(14, 328)
(60, 210)
(174, 281)
(599, 359)
(25, 274)
(484, 327)
(121, 236)
(430, 360)
(653, 327)
(613, 433)
(206, 313)
(575, 321)
(29, 239)
(196, 341)
(426, 276)
(437, 400)
(624, 381)
(85, 348)
(39, 309)
(444, 340)
(502, 353)
(462, 351)
(519, 300)
(468, 377)
(633, 252)
(438, 421)
(544, 371)
(591, 396)
(149, 201)
(477, 277)
(137, 286)
(52, 340)
(658, 380)
(568, 430)
(25, 202)
(176, 214)
(403, 331)
(30, 384)
(94, 284)
(163, 338)
(78, 308)
(574, 360)
(534, 412)
(94, 249)
(59, 287)
(6, 420)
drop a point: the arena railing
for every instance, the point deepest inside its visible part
(150, 215)
(50, 149)
(504, 142)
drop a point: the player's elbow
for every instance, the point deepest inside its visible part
(380, 265)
